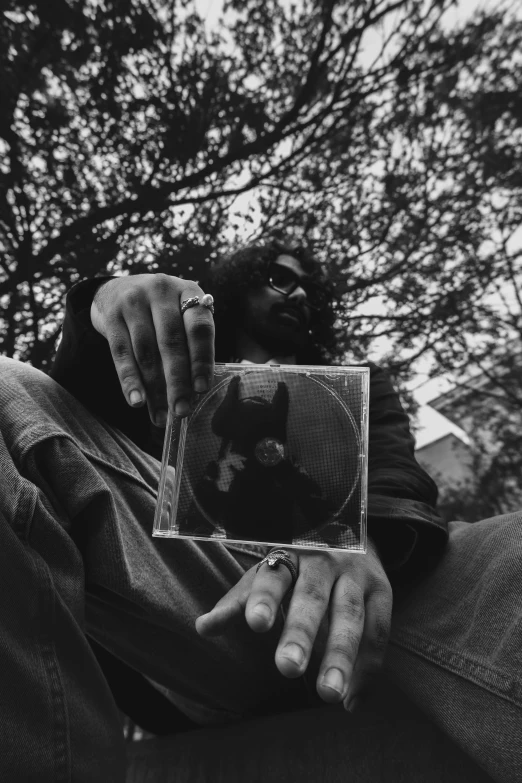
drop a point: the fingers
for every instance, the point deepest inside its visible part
(357, 598)
(173, 354)
(307, 608)
(199, 328)
(123, 356)
(373, 645)
(354, 594)
(176, 336)
(186, 346)
(108, 319)
(149, 365)
(257, 596)
(220, 617)
(269, 588)
(160, 355)
(134, 313)
(228, 609)
(347, 616)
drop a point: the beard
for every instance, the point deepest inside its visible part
(279, 338)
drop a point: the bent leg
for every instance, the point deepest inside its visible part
(456, 643)
(77, 503)
(58, 719)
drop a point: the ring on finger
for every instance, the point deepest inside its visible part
(280, 556)
(206, 301)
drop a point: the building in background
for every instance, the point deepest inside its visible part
(469, 439)
(443, 448)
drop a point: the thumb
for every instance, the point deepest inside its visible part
(228, 609)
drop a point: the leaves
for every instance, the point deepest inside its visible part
(134, 137)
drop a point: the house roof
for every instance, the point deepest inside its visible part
(432, 426)
(474, 381)
(459, 392)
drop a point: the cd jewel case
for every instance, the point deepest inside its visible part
(271, 454)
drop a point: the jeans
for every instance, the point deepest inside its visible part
(77, 557)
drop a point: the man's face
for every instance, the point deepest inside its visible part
(277, 322)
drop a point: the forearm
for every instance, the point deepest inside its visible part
(402, 516)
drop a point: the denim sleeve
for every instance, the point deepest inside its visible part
(84, 366)
(402, 517)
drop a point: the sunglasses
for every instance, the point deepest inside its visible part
(285, 281)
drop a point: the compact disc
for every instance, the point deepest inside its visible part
(270, 456)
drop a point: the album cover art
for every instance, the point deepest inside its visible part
(272, 454)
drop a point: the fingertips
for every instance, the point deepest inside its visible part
(202, 625)
(269, 587)
(186, 345)
(136, 398)
(347, 618)
(159, 417)
(305, 615)
(229, 609)
(128, 372)
(333, 685)
(260, 616)
(215, 622)
(372, 650)
(199, 329)
(208, 628)
(292, 660)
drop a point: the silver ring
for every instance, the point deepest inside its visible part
(206, 300)
(277, 556)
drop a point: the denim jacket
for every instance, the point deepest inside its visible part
(402, 518)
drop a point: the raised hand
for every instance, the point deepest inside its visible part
(160, 355)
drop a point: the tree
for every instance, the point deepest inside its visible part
(129, 129)
(416, 204)
(488, 407)
(497, 488)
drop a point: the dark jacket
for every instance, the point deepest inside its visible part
(402, 519)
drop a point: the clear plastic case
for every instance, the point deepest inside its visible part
(272, 454)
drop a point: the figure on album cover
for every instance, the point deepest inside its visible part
(254, 490)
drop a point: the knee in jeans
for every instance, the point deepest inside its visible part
(503, 542)
(15, 375)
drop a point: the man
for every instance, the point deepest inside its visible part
(269, 303)
(77, 544)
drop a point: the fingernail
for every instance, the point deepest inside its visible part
(263, 611)
(135, 397)
(161, 418)
(334, 679)
(294, 653)
(182, 407)
(200, 384)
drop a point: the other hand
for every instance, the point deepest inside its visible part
(350, 590)
(160, 355)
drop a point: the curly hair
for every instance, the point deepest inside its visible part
(231, 277)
